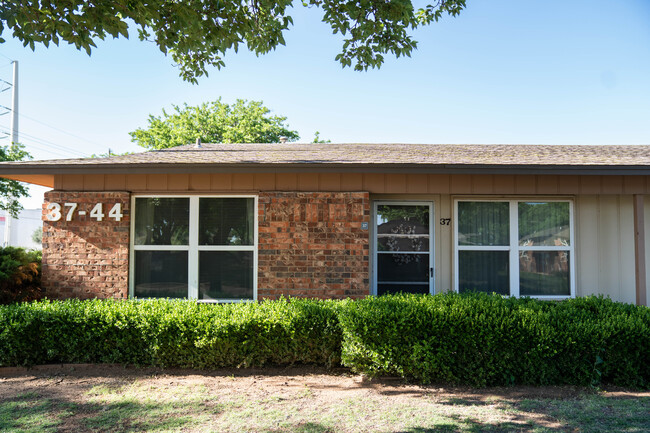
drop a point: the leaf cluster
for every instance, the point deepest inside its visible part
(11, 190)
(20, 275)
(213, 122)
(198, 33)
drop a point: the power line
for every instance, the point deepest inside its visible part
(58, 129)
(45, 142)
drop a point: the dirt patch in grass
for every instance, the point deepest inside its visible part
(112, 398)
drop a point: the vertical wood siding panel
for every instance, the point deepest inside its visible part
(308, 181)
(115, 182)
(329, 182)
(646, 207)
(587, 244)
(178, 182)
(351, 182)
(374, 183)
(395, 183)
(547, 185)
(94, 182)
(590, 185)
(461, 184)
(634, 185)
(609, 251)
(264, 181)
(504, 184)
(157, 182)
(242, 182)
(72, 182)
(439, 184)
(444, 245)
(221, 182)
(136, 182)
(525, 184)
(286, 181)
(612, 184)
(627, 263)
(200, 182)
(417, 183)
(482, 184)
(569, 184)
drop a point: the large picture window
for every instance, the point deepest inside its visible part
(515, 247)
(194, 247)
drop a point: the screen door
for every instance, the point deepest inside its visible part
(403, 259)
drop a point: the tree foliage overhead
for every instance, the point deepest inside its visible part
(11, 190)
(198, 33)
(214, 122)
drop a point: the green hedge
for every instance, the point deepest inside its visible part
(170, 333)
(481, 340)
(461, 339)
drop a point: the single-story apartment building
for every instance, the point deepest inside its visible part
(228, 222)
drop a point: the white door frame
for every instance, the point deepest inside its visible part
(432, 270)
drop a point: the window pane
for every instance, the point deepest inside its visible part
(544, 273)
(484, 271)
(383, 289)
(402, 219)
(544, 224)
(403, 267)
(402, 243)
(483, 223)
(226, 221)
(160, 274)
(162, 221)
(225, 275)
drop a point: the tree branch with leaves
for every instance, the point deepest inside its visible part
(198, 33)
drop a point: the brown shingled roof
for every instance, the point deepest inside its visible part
(370, 157)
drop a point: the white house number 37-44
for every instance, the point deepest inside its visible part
(56, 212)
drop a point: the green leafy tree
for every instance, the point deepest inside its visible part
(319, 140)
(37, 235)
(214, 122)
(11, 190)
(198, 33)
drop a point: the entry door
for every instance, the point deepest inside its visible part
(403, 259)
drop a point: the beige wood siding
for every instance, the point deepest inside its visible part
(374, 183)
(605, 246)
(646, 208)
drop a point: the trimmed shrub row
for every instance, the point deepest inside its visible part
(170, 333)
(472, 339)
(484, 340)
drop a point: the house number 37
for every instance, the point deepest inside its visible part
(55, 212)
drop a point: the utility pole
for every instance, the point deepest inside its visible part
(14, 140)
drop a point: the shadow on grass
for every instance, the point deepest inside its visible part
(28, 413)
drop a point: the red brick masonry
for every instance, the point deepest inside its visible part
(85, 258)
(310, 245)
(313, 244)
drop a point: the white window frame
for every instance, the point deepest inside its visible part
(514, 248)
(193, 248)
(432, 229)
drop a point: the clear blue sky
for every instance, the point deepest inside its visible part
(504, 71)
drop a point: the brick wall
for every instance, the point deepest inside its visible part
(313, 244)
(85, 258)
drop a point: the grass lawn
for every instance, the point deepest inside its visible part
(117, 399)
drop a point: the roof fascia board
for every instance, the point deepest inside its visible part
(54, 169)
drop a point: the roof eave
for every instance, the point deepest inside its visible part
(11, 171)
